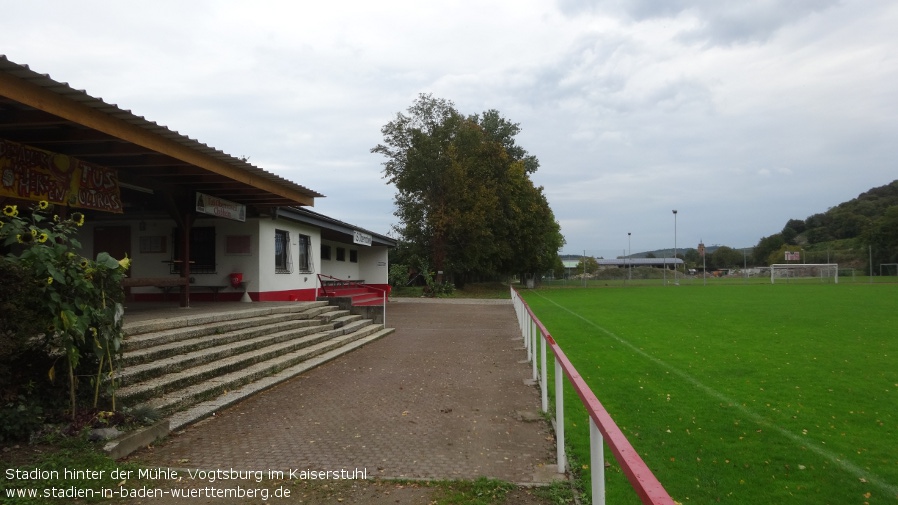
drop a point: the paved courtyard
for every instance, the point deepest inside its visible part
(444, 397)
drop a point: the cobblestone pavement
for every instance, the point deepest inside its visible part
(443, 397)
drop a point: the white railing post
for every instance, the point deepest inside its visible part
(559, 417)
(543, 374)
(527, 327)
(596, 463)
(640, 476)
(533, 348)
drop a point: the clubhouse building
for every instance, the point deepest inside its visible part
(198, 224)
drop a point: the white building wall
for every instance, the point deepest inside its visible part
(228, 262)
(297, 279)
(257, 264)
(373, 266)
(344, 269)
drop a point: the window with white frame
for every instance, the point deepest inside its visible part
(305, 253)
(282, 262)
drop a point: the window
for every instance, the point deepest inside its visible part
(282, 263)
(202, 250)
(152, 244)
(305, 253)
(325, 252)
(341, 254)
(353, 256)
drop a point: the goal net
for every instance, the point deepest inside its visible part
(822, 272)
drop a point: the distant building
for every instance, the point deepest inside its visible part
(571, 265)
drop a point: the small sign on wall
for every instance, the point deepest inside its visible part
(361, 238)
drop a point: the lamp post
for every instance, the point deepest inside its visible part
(629, 259)
(676, 281)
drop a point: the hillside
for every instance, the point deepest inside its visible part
(846, 220)
(866, 225)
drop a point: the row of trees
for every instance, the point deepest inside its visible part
(467, 207)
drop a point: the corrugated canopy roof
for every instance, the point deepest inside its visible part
(39, 112)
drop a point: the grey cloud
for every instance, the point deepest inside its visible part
(721, 22)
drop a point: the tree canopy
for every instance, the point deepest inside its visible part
(464, 198)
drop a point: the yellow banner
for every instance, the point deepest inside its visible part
(34, 174)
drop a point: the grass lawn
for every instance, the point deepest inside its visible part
(739, 393)
(482, 290)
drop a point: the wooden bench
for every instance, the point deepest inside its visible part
(168, 284)
(215, 288)
(158, 282)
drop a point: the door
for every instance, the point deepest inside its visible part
(116, 240)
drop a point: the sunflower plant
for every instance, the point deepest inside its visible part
(79, 320)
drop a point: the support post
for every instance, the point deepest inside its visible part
(533, 351)
(544, 379)
(596, 463)
(559, 417)
(525, 332)
(187, 220)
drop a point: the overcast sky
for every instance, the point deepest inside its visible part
(740, 114)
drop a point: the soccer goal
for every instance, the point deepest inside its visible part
(824, 272)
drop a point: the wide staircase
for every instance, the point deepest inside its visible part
(188, 367)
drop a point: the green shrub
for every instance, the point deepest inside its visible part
(20, 418)
(58, 305)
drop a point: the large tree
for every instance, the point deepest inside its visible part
(725, 257)
(464, 199)
(766, 246)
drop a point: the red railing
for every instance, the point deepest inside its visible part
(601, 426)
(334, 282)
(323, 281)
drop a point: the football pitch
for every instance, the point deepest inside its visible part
(738, 394)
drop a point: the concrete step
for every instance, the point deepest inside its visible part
(354, 326)
(223, 380)
(368, 300)
(232, 345)
(206, 408)
(156, 346)
(168, 323)
(188, 366)
(330, 313)
(345, 319)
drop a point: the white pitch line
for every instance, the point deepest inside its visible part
(857, 471)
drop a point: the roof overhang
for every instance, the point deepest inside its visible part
(333, 229)
(39, 112)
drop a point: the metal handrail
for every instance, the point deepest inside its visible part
(602, 426)
(350, 282)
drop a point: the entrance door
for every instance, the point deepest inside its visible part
(116, 240)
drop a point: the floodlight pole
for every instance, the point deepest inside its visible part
(676, 281)
(629, 259)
